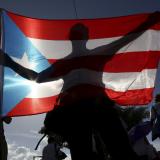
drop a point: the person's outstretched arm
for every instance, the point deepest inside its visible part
(44, 76)
(113, 47)
(22, 71)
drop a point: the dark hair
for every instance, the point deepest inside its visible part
(79, 32)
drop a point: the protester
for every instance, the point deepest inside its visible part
(144, 149)
(155, 118)
(140, 130)
(3, 143)
(76, 115)
(52, 150)
(99, 149)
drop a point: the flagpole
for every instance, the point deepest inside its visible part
(1, 28)
(1, 67)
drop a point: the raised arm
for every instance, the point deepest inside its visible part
(44, 76)
(24, 72)
(112, 48)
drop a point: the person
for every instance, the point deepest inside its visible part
(78, 113)
(155, 118)
(144, 149)
(98, 147)
(49, 151)
(3, 143)
(52, 150)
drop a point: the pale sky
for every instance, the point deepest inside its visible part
(22, 132)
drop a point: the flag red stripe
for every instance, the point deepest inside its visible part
(60, 29)
(132, 62)
(31, 106)
(41, 105)
(128, 97)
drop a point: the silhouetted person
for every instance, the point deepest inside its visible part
(52, 150)
(3, 143)
(77, 114)
(155, 118)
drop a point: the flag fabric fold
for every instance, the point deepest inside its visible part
(128, 77)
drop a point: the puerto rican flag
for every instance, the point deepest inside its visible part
(128, 77)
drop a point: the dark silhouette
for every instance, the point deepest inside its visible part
(155, 118)
(77, 114)
(3, 142)
(52, 150)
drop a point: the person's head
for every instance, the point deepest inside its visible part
(79, 35)
(79, 32)
(157, 98)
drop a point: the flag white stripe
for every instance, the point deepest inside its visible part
(54, 49)
(115, 81)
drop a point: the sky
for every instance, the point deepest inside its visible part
(22, 134)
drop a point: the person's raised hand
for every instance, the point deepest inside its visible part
(150, 21)
(153, 18)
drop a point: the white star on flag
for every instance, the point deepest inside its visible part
(24, 61)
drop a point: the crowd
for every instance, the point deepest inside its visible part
(140, 144)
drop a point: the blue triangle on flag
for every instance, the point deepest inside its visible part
(15, 43)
